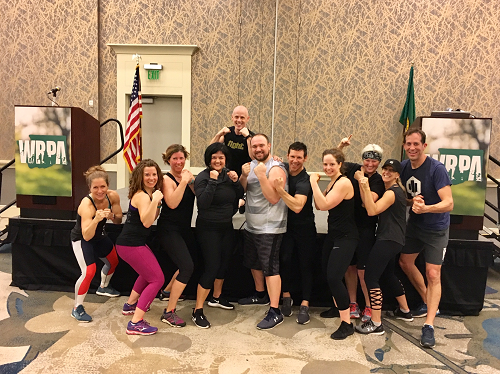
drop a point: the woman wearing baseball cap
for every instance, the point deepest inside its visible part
(391, 209)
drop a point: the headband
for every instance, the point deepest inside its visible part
(374, 155)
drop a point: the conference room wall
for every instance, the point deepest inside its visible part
(341, 66)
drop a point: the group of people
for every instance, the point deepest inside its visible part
(367, 229)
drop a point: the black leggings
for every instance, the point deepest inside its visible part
(174, 243)
(381, 263)
(336, 257)
(216, 246)
(304, 240)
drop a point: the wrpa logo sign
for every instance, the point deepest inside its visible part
(43, 151)
(462, 164)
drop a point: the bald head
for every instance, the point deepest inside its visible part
(240, 118)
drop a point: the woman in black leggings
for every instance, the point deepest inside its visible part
(391, 208)
(218, 191)
(174, 227)
(342, 237)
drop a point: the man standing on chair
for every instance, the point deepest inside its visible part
(428, 189)
(266, 219)
(237, 139)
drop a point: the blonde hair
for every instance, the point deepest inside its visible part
(174, 148)
(95, 172)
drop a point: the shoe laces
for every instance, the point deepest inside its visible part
(353, 307)
(367, 324)
(367, 312)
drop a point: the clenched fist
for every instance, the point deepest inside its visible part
(314, 178)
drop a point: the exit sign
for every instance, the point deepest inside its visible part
(154, 74)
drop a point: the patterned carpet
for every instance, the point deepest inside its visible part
(39, 336)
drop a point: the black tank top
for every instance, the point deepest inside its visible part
(133, 234)
(180, 217)
(341, 218)
(392, 221)
(76, 232)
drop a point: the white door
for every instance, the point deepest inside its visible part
(161, 127)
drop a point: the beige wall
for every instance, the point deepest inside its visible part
(342, 66)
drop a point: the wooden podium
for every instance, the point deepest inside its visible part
(54, 147)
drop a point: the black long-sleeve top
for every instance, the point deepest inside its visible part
(217, 200)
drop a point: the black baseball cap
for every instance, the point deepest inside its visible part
(394, 164)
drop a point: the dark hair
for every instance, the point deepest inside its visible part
(261, 134)
(415, 130)
(174, 148)
(214, 148)
(298, 146)
(338, 155)
(136, 182)
(95, 172)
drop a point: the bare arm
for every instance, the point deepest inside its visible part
(445, 205)
(341, 190)
(116, 209)
(148, 209)
(267, 184)
(345, 142)
(89, 220)
(219, 137)
(296, 202)
(173, 193)
(374, 208)
(245, 170)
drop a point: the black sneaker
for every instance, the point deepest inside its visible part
(286, 308)
(220, 302)
(271, 320)
(399, 314)
(427, 340)
(330, 313)
(254, 300)
(345, 329)
(303, 316)
(199, 319)
(369, 328)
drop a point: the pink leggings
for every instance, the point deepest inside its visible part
(150, 279)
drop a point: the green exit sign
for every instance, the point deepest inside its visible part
(154, 74)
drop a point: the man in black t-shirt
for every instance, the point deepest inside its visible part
(301, 230)
(237, 139)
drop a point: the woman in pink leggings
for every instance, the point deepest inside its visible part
(145, 202)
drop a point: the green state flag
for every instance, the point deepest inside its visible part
(408, 113)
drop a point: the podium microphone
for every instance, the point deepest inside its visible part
(54, 90)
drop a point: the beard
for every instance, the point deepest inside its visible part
(262, 156)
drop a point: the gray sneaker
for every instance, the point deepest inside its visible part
(80, 315)
(369, 328)
(303, 316)
(254, 300)
(286, 308)
(427, 340)
(271, 320)
(107, 291)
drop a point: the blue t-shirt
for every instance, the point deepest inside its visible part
(426, 180)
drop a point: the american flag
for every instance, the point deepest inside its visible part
(132, 149)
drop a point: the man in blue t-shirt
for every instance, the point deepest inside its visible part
(428, 188)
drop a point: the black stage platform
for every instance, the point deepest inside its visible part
(43, 259)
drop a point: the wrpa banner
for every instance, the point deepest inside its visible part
(43, 162)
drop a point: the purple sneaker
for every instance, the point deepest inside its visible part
(140, 328)
(172, 319)
(128, 309)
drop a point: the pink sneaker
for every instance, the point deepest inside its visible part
(367, 315)
(354, 309)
